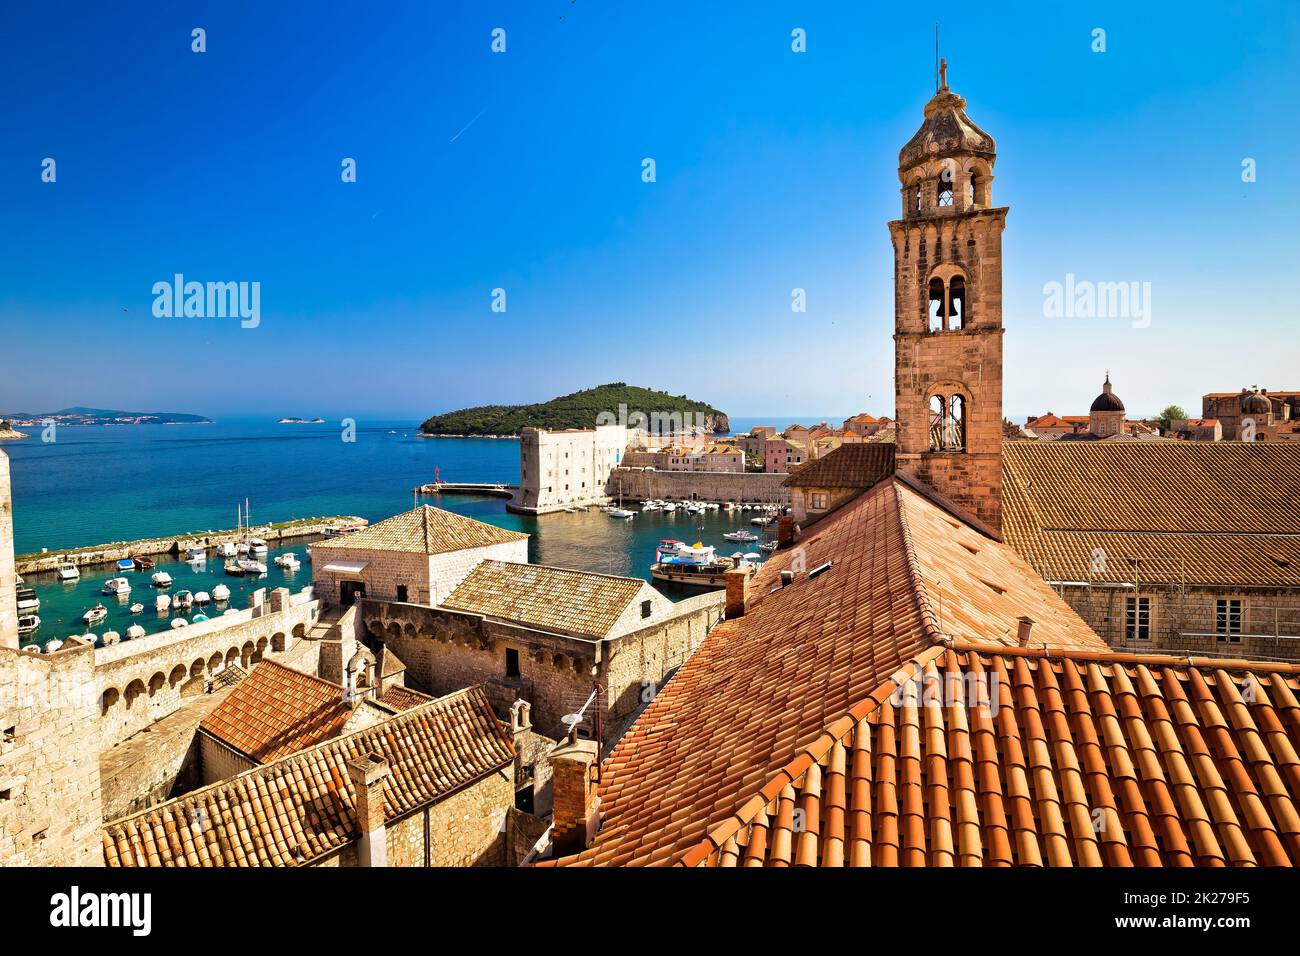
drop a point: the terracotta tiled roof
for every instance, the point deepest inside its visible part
(423, 530)
(302, 807)
(277, 710)
(403, 698)
(857, 465)
(762, 688)
(1073, 759)
(553, 599)
(1221, 513)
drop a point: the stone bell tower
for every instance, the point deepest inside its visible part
(948, 310)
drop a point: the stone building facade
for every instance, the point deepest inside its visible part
(1267, 411)
(566, 469)
(948, 310)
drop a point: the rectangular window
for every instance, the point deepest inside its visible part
(401, 593)
(1137, 619)
(818, 501)
(646, 608)
(512, 662)
(1227, 620)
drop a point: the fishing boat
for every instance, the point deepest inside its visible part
(183, 599)
(741, 535)
(289, 561)
(235, 567)
(134, 631)
(202, 597)
(126, 564)
(195, 555)
(161, 579)
(162, 603)
(95, 614)
(220, 593)
(69, 571)
(137, 608)
(27, 600)
(28, 623)
(116, 586)
(226, 549)
(144, 564)
(695, 566)
(249, 566)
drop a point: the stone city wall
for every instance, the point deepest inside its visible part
(639, 484)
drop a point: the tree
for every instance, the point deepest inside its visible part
(1169, 414)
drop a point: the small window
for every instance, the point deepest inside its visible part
(1137, 619)
(6, 795)
(945, 189)
(10, 734)
(1227, 620)
(512, 662)
(401, 593)
(646, 609)
(818, 500)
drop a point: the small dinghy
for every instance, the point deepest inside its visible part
(178, 622)
(199, 618)
(110, 637)
(137, 608)
(53, 646)
(202, 597)
(183, 599)
(161, 579)
(143, 564)
(28, 623)
(220, 593)
(162, 603)
(134, 631)
(126, 564)
(95, 614)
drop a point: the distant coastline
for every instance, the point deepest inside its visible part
(80, 415)
(300, 421)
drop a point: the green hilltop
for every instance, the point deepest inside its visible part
(579, 410)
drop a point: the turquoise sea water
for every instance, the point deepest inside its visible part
(99, 484)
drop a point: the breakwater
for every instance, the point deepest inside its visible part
(36, 562)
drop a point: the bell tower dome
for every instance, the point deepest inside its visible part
(948, 310)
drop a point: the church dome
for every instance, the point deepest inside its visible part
(947, 130)
(1107, 401)
(1256, 404)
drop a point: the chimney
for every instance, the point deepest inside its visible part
(1022, 633)
(369, 776)
(785, 531)
(737, 590)
(576, 808)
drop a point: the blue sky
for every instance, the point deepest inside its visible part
(775, 170)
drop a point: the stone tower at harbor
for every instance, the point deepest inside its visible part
(948, 310)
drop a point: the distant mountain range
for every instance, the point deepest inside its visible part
(81, 415)
(582, 409)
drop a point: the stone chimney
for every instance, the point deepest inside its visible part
(737, 590)
(576, 808)
(785, 531)
(369, 777)
(1022, 633)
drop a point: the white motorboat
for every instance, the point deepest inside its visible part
(226, 549)
(288, 560)
(195, 555)
(116, 586)
(69, 571)
(95, 614)
(27, 600)
(740, 536)
(257, 547)
(28, 623)
(767, 546)
(621, 513)
(183, 599)
(249, 566)
(53, 646)
(134, 631)
(202, 597)
(221, 593)
(137, 608)
(161, 579)
(162, 603)
(178, 622)
(110, 637)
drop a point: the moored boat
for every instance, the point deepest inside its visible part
(235, 567)
(195, 555)
(202, 597)
(256, 546)
(95, 614)
(740, 536)
(162, 603)
(221, 593)
(226, 549)
(183, 599)
(28, 623)
(137, 608)
(27, 600)
(161, 579)
(249, 566)
(116, 586)
(178, 622)
(288, 560)
(134, 631)
(126, 564)
(69, 571)
(143, 563)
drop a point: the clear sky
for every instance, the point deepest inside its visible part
(523, 171)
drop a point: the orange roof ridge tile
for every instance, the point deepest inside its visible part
(1122, 657)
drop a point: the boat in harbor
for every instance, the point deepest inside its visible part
(220, 593)
(195, 555)
(126, 564)
(137, 608)
(162, 603)
(95, 614)
(178, 622)
(767, 546)
(143, 563)
(202, 597)
(740, 536)
(68, 571)
(199, 618)
(161, 579)
(27, 600)
(134, 631)
(28, 623)
(249, 566)
(257, 547)
(183, 599)
(235, 568)
(116, 586)
(226, 549)
(695, 566)
(289, 561)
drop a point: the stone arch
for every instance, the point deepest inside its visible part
(946, 298)
(300, 630)
(232, 657)
(197, 668)
(978, 175)
(178, 675)
(157, 683)
(277, 641)
(948, 408)
(214, 662)
(260, 651)
(246, 655)
(394, 630)
(109, 698)
(133, 690)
